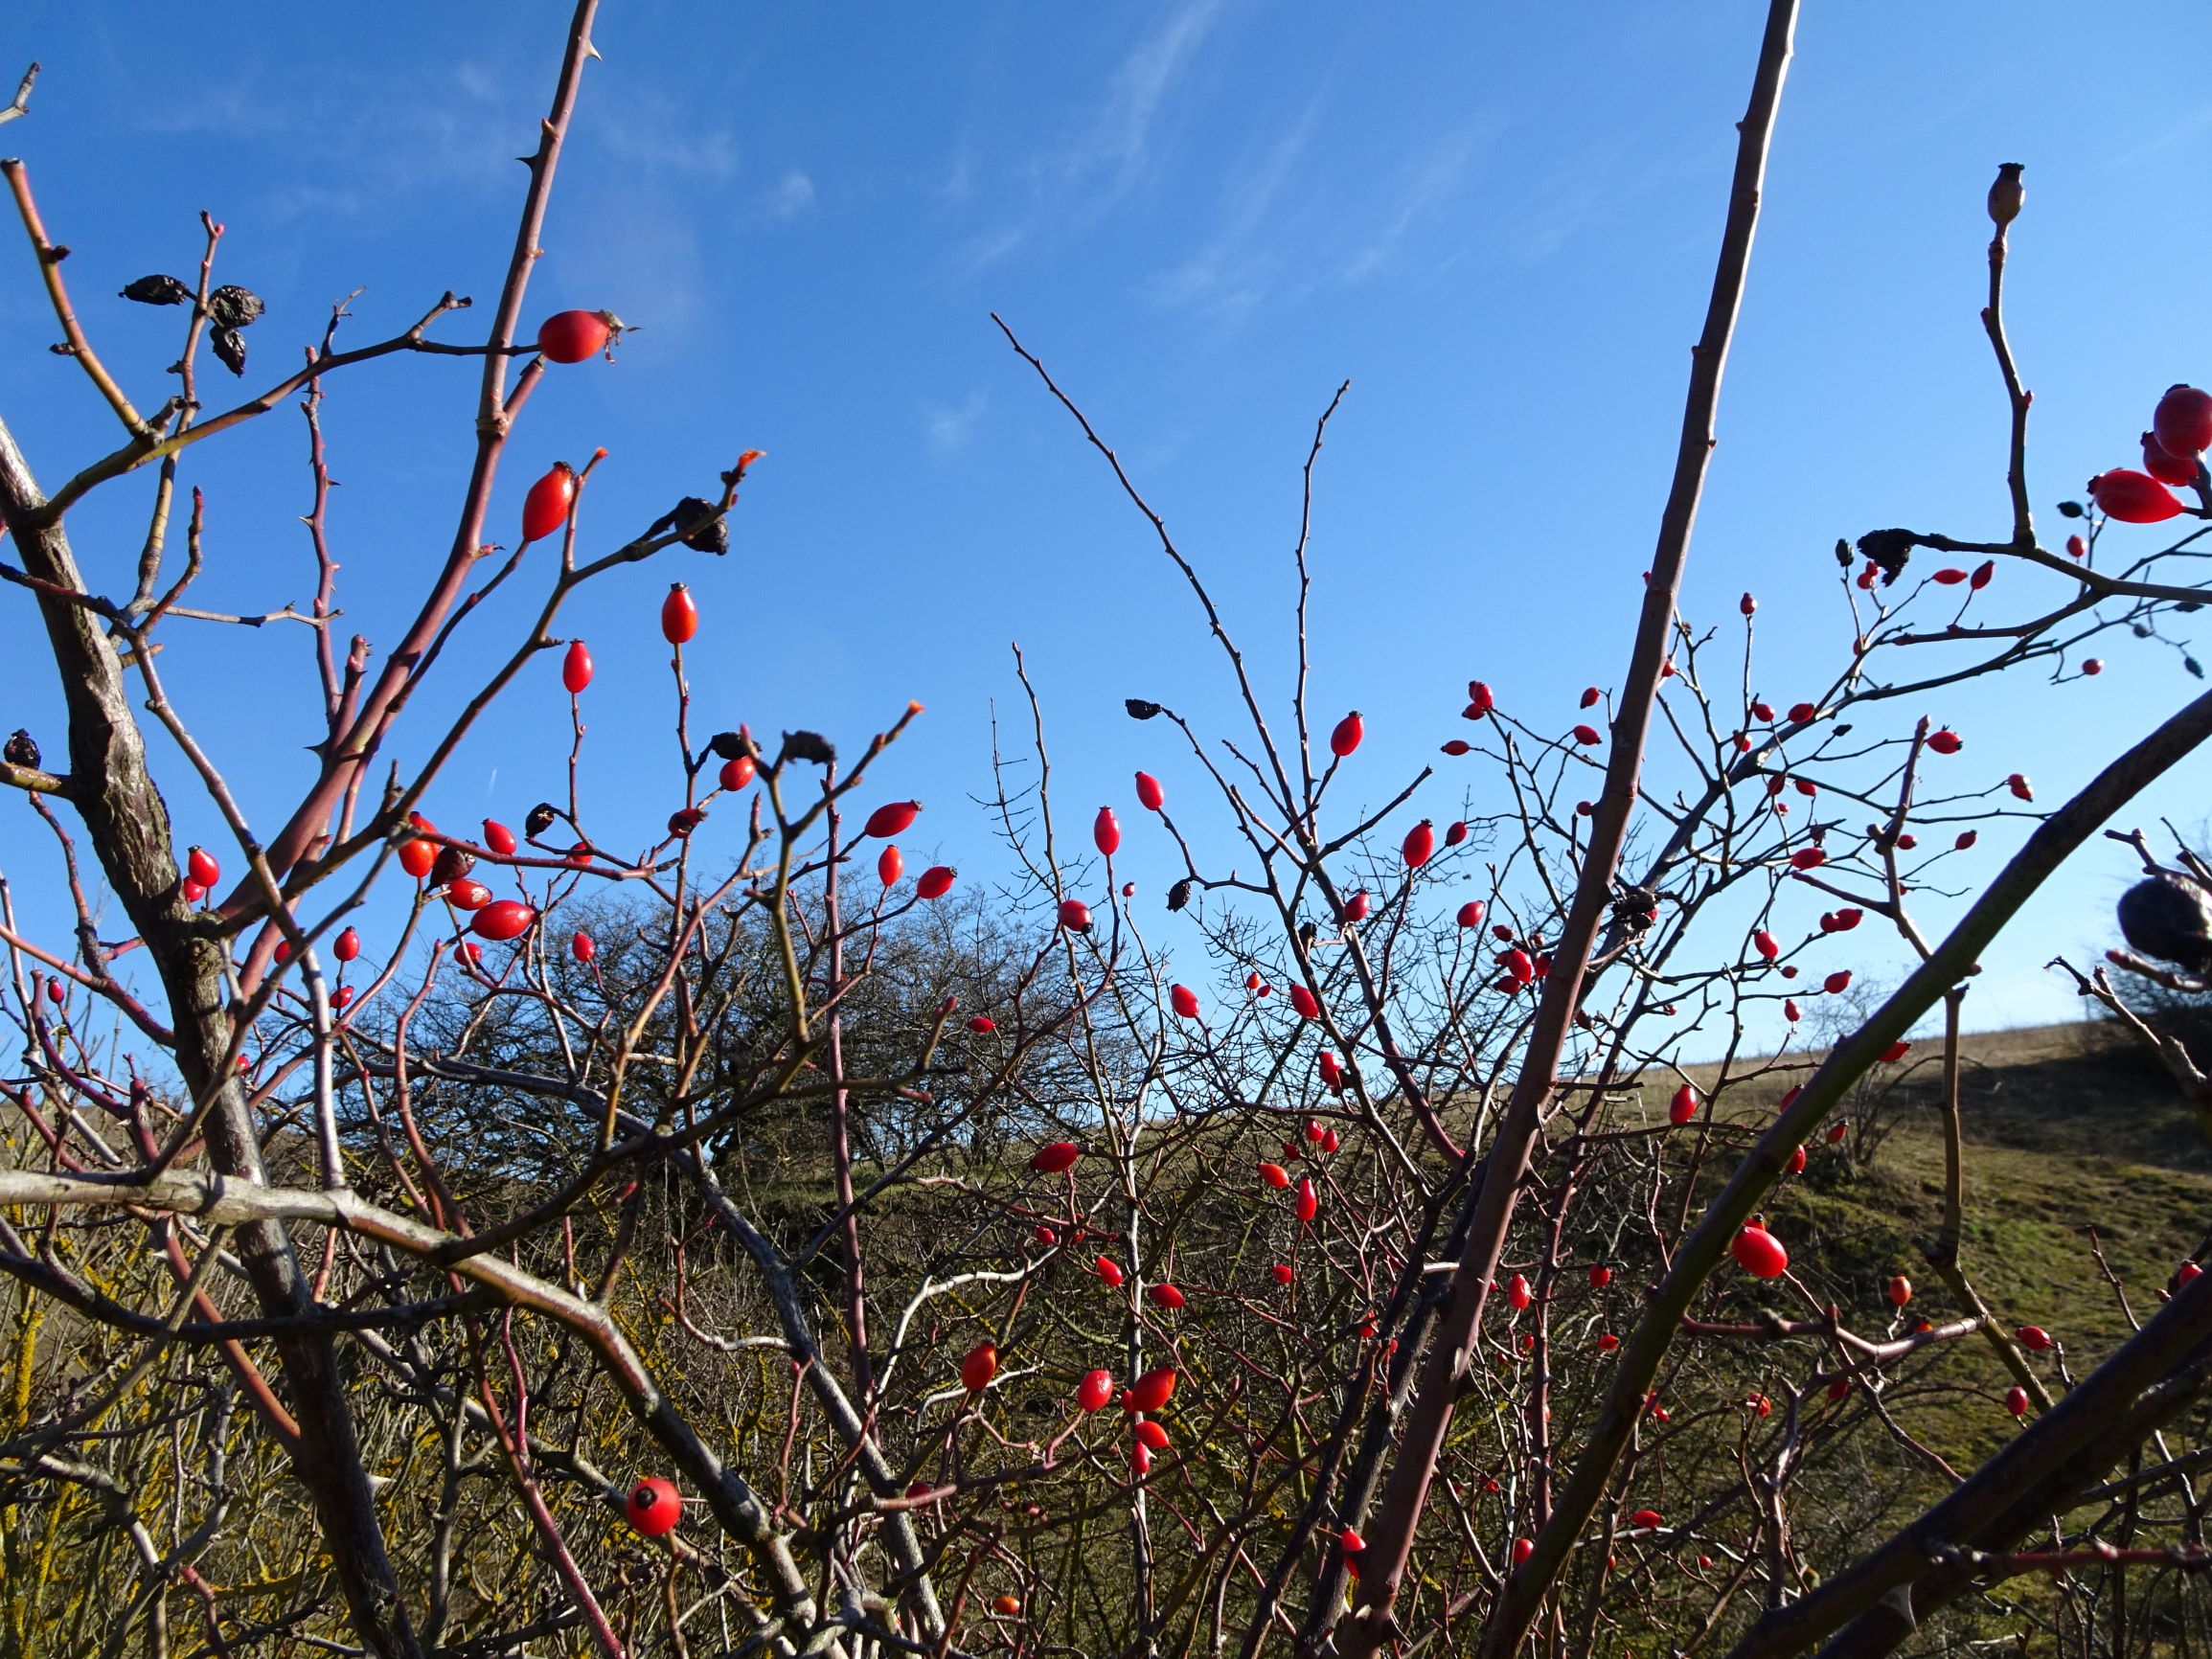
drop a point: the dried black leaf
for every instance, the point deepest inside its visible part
(2168, 917)
(157, 290)
(703, 525)
(2194, 668)
(231, 307)
(21, 750)
(810, 746)
(230, 347)
(730, 745)
(2185, 606)
(1139, 708)
(1843, 552)
(696, 523)
(1888, 550)
(543, 818)
(2141, 630)
(1636, 908)
(2069, 510)
(1179, 894)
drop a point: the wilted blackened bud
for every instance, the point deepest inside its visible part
(1139, 708)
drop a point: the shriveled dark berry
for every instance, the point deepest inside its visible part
(541, 818)
(2168, 918)
(157, 290)
(1139, 708)
(810, 746)
(231, 347)
(231, 307)
(21, 750)
(453, 863)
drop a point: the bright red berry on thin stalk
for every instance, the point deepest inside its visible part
(1308, 1204)
(1305, 1002)
(1275, 1176)
(547, 505)
(1684, 1106)
(1164, 1295)
(2166, 468)
(1075, 916)
(2093, 666)
(1095, 1390)
(2033, 1339)
(1948, 577)
(1355, 906)
(2016, 1400)
(890, 818)
(1185, 1001)
(979, 1367)
(576, 667)
(2018, 785)
(1759, 1253)
(201, 866)
(1591, 695)
(1946, 741)
(1055, 1156)
(347, 946)
(890, 865)
(1420, 844)
(1837, 982)
(1150, 794)
(1106, 831)
(653, 1508)
(1517, 1292)
(1152, 1391)
(1586, 735)
(1900, 1290)
(2182, 421)
(2132, 497)
(679, 615)
(581, 947)
(572, 336)
(935, 882)
(1346, 737)
(1472, 913)
(1748, 605)
(504, 920)
(1480, 700)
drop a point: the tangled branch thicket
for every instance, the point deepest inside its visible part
(1351, 1259)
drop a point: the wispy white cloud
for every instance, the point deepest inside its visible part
(1240, 264)
(792, 195)
(1421, 190)
(1105, 156)
(949, 426)
(1118, 139)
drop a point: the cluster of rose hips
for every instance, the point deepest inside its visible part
(2172, 454)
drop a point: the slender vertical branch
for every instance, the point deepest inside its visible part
(1448, 1361)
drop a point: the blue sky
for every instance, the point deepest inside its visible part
(1498, 222)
